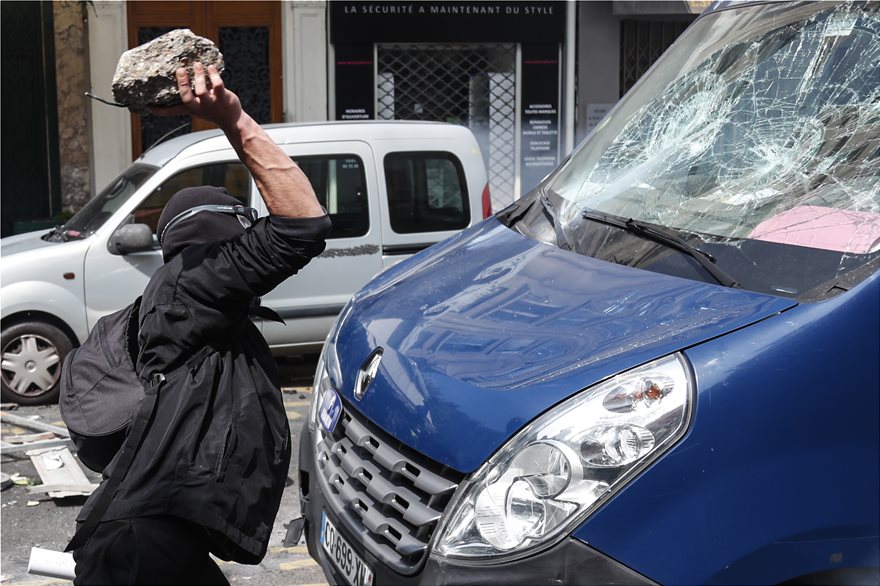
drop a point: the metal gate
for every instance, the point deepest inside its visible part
(470, 85)
(641, 43)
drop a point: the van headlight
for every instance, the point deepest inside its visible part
(327, 362)
(549, 477)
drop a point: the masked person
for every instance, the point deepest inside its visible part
(208, 473)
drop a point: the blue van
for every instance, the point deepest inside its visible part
(662, 365)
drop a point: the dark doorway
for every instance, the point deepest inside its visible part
(29, 175)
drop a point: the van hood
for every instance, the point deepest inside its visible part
(24, 242)
(27, 257)
(487, 330)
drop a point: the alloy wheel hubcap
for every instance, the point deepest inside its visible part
(30, 365)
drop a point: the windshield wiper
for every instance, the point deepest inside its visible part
(704, 259)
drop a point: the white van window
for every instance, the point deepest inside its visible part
(233, 176)
(341, 187)
(427, 192)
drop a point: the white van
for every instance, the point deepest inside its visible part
(391, 188)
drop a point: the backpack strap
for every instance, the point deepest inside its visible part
(132, 442)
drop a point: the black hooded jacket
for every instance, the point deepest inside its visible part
(218, 449)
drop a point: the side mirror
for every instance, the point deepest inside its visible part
(131, 238)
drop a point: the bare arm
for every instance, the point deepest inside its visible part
(283, 186)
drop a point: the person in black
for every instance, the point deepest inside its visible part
(208, 474)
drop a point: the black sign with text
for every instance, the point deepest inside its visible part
(447, 22)
(354, 82)
(540, 113)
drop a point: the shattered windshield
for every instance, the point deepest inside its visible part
(760, 123)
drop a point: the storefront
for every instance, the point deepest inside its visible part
(495, 67)
(529, 78)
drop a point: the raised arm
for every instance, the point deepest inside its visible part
(283, 186)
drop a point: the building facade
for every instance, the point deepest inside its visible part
(529, 78)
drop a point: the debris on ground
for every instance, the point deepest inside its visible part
(20, 480)
(61, 474)
(49, 436)
(32, 423)
(52, 564)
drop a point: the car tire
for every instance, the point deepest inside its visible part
(31, 354)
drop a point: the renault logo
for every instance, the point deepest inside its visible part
(367, 373)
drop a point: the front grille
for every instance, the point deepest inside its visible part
(389, 497)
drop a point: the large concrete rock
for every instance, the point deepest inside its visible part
(145, 75)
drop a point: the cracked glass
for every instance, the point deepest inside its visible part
(759, 130)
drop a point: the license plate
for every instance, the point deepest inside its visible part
(343, 556)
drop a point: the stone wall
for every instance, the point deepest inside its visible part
(72, 79)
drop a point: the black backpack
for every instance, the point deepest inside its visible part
(106, 407)
(100, 390)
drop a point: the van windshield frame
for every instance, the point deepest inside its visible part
(95, 213)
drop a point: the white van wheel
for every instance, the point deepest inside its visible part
(31, 354)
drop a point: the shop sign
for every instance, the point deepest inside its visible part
(355, 91)
(447, 22)
(539, 134)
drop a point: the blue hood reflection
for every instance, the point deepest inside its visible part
(487, 330)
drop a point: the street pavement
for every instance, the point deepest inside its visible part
(49, 523)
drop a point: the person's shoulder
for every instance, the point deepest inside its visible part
(163, 282)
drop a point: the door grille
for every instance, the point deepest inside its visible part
(469, 85)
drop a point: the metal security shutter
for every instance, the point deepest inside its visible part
(470, 85)
(641, 43)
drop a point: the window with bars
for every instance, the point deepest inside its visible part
(246, 56)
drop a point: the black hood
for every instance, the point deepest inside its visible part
(200, 228)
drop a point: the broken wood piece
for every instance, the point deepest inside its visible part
(77, 488)
(18, 448)
(58, 466)
(32, 424)
(33, 437)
